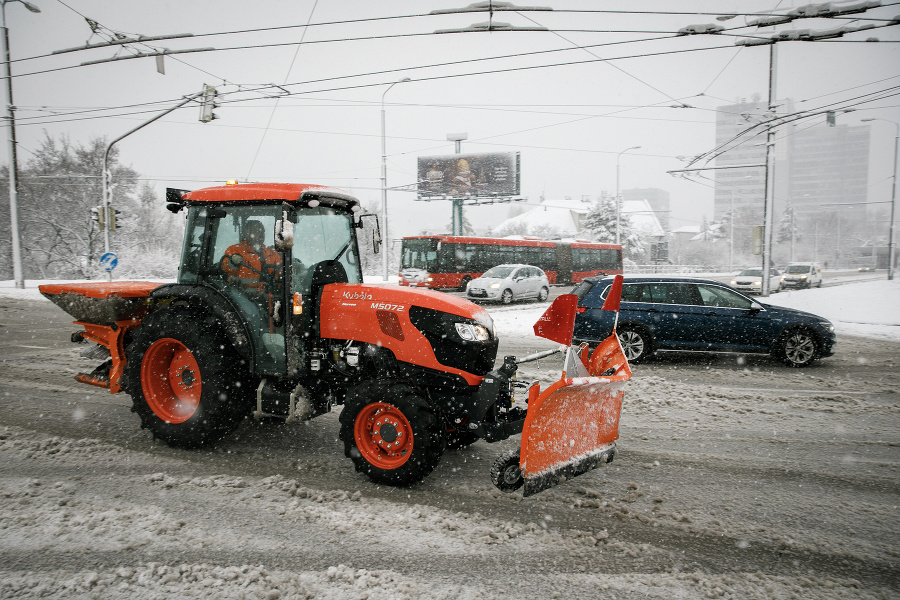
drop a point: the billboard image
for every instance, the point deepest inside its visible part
(492, 174)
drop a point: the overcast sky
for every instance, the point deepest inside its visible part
(303, 104)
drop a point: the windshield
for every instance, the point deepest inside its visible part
(751, 272)
(795, 269)
(418, 254)
(323, 234)
(498, 272)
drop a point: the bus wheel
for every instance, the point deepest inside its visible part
(465, 283)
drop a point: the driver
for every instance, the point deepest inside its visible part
(251, 263)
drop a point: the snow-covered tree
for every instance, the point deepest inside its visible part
(57, 189)
(600, 223)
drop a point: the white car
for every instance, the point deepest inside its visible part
(506, 283)
(750, 281)
(802, 275)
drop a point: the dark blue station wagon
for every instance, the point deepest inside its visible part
(661, 313)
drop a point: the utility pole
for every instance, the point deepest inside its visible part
(768, 200)
(18, 272)
(384, 206)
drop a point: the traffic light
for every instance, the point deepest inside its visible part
(208, 104)
(97, 216)
(113, 217)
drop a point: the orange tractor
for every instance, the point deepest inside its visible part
(269, 317)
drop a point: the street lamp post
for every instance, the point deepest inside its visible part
(618, 209)
(18, 273)
(893, 198)
(384, 207)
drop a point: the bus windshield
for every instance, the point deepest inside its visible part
(419, 254)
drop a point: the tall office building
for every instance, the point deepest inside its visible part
(818, 168)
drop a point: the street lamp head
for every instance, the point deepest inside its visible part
(33, 8)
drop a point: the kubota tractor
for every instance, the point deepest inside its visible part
(269, 317)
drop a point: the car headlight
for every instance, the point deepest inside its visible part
(472, 332)
(734, 283)
(803, 277)
(757, 283)
(494, 286)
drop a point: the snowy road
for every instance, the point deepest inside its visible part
(737, 478)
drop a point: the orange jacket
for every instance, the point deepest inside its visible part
(248, 277)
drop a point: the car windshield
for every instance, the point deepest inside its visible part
(498, 272)
(752, 272)
(794, 269)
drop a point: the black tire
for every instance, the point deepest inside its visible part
(214, 392)
(366, 438)
(505, 472)
(798, 348)
(465, 283)
(543, 294)
(635, 343)
(506, 297)
(818, 285)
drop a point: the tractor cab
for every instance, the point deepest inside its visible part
(268, 257)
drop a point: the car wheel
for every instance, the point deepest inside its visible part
(635, 344)
(798, 348)
(543, 294)
(506, 297)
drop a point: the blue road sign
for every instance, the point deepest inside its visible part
(109, 261)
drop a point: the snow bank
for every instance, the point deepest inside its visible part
(866, 309)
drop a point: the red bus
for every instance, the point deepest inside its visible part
(444, 261)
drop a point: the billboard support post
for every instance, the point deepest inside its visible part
(456, 219)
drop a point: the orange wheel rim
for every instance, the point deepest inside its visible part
(383, 435)
(170, 379)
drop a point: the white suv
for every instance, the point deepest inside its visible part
(802, 275)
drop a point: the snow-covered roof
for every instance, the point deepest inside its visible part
(643, 218)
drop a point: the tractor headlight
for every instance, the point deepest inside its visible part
(473, 332)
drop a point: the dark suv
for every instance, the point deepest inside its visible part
(661, 313)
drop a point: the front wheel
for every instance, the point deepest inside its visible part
(635, 344)
(506, 297)
(798, 348)
(186, 383)
(391, 434)
(505, 472)
(543, 294)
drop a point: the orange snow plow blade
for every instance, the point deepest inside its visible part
(572, 426)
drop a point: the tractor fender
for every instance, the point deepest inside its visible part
(210, 301)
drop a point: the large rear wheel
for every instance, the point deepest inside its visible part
(186, 383)
(391, 434)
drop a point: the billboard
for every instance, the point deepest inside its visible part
(492, 174)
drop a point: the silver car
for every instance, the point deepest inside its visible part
(750, 281)
(506, 283)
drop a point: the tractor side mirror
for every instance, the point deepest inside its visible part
(376, 232)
